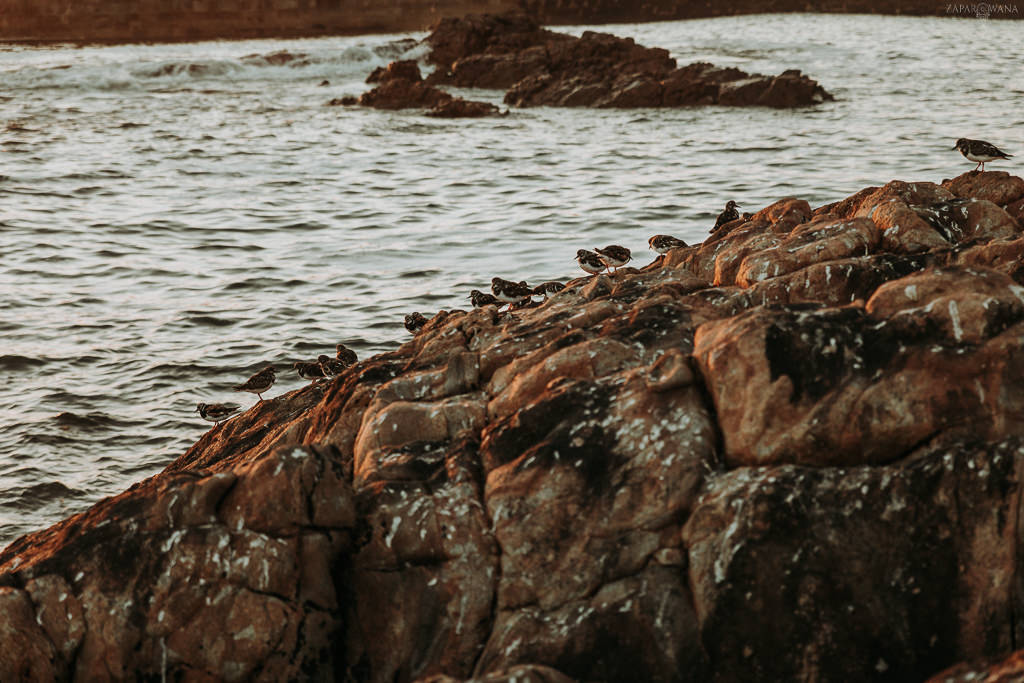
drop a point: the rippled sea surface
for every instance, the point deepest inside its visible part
(175, 217)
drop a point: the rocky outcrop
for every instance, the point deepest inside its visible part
(402, 87)
(791, 452)
(539, 67)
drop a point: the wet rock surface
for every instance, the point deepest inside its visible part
(540, 67)
(402, 87)
(791, 452)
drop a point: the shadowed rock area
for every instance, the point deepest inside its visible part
(792, 452)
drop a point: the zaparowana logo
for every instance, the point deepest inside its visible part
(982, 10)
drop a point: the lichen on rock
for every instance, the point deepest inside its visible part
(790, 452)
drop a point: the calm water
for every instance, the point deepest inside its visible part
(176, 216)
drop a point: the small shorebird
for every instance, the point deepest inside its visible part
(346, 355)
(662, 243)
(310, 371)
(590, 262)
(546, 289)
(260, 382)
(614, 256)
(479, 299)
(508, 292)
(216, 412)
(980, 151)
(330, 367)
(730, 214)
(414, 322)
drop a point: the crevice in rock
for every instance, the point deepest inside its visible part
(493, 612)
(700, 385)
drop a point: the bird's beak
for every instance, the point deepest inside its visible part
(954, 147)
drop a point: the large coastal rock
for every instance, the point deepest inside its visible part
(792, 452)
(540, 67)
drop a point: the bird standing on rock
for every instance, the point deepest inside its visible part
(414, 322)
(479, 299)
(260, 382)
(310, 371)
(614, 256)
(590, 262)
(346, 355)
(330, 367)
(663, 243)
(216, 412)
(546, 289)
(729, 215)
(980, 151)
(509, 292)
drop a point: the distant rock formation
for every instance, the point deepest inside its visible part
(792, 452)
(402, 87)
(540, 67)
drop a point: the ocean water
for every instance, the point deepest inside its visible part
(175, 217)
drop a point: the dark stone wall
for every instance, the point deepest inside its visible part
(177, 20)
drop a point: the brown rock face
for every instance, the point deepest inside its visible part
(455, 38)
(187, 574)
(406, 69)
(402, 87)
(998, 187)
(792, 452)
(459, 108)
(539, 67)
(401, 93)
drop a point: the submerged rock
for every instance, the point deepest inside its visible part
(792, 452)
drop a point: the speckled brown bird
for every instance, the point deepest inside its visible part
(480, 299)
(260, 382)
(980, 151)
(216, 412)
(346, 355)
(510, 292)
(614, 255)
(310, 371)
(546, 289)
(729, 215)
(590, 262)
(663, 243)
(415, 321)
(330, 367)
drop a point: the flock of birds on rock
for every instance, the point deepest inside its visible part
(520, 295)
(324, 367)
(517, 295)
